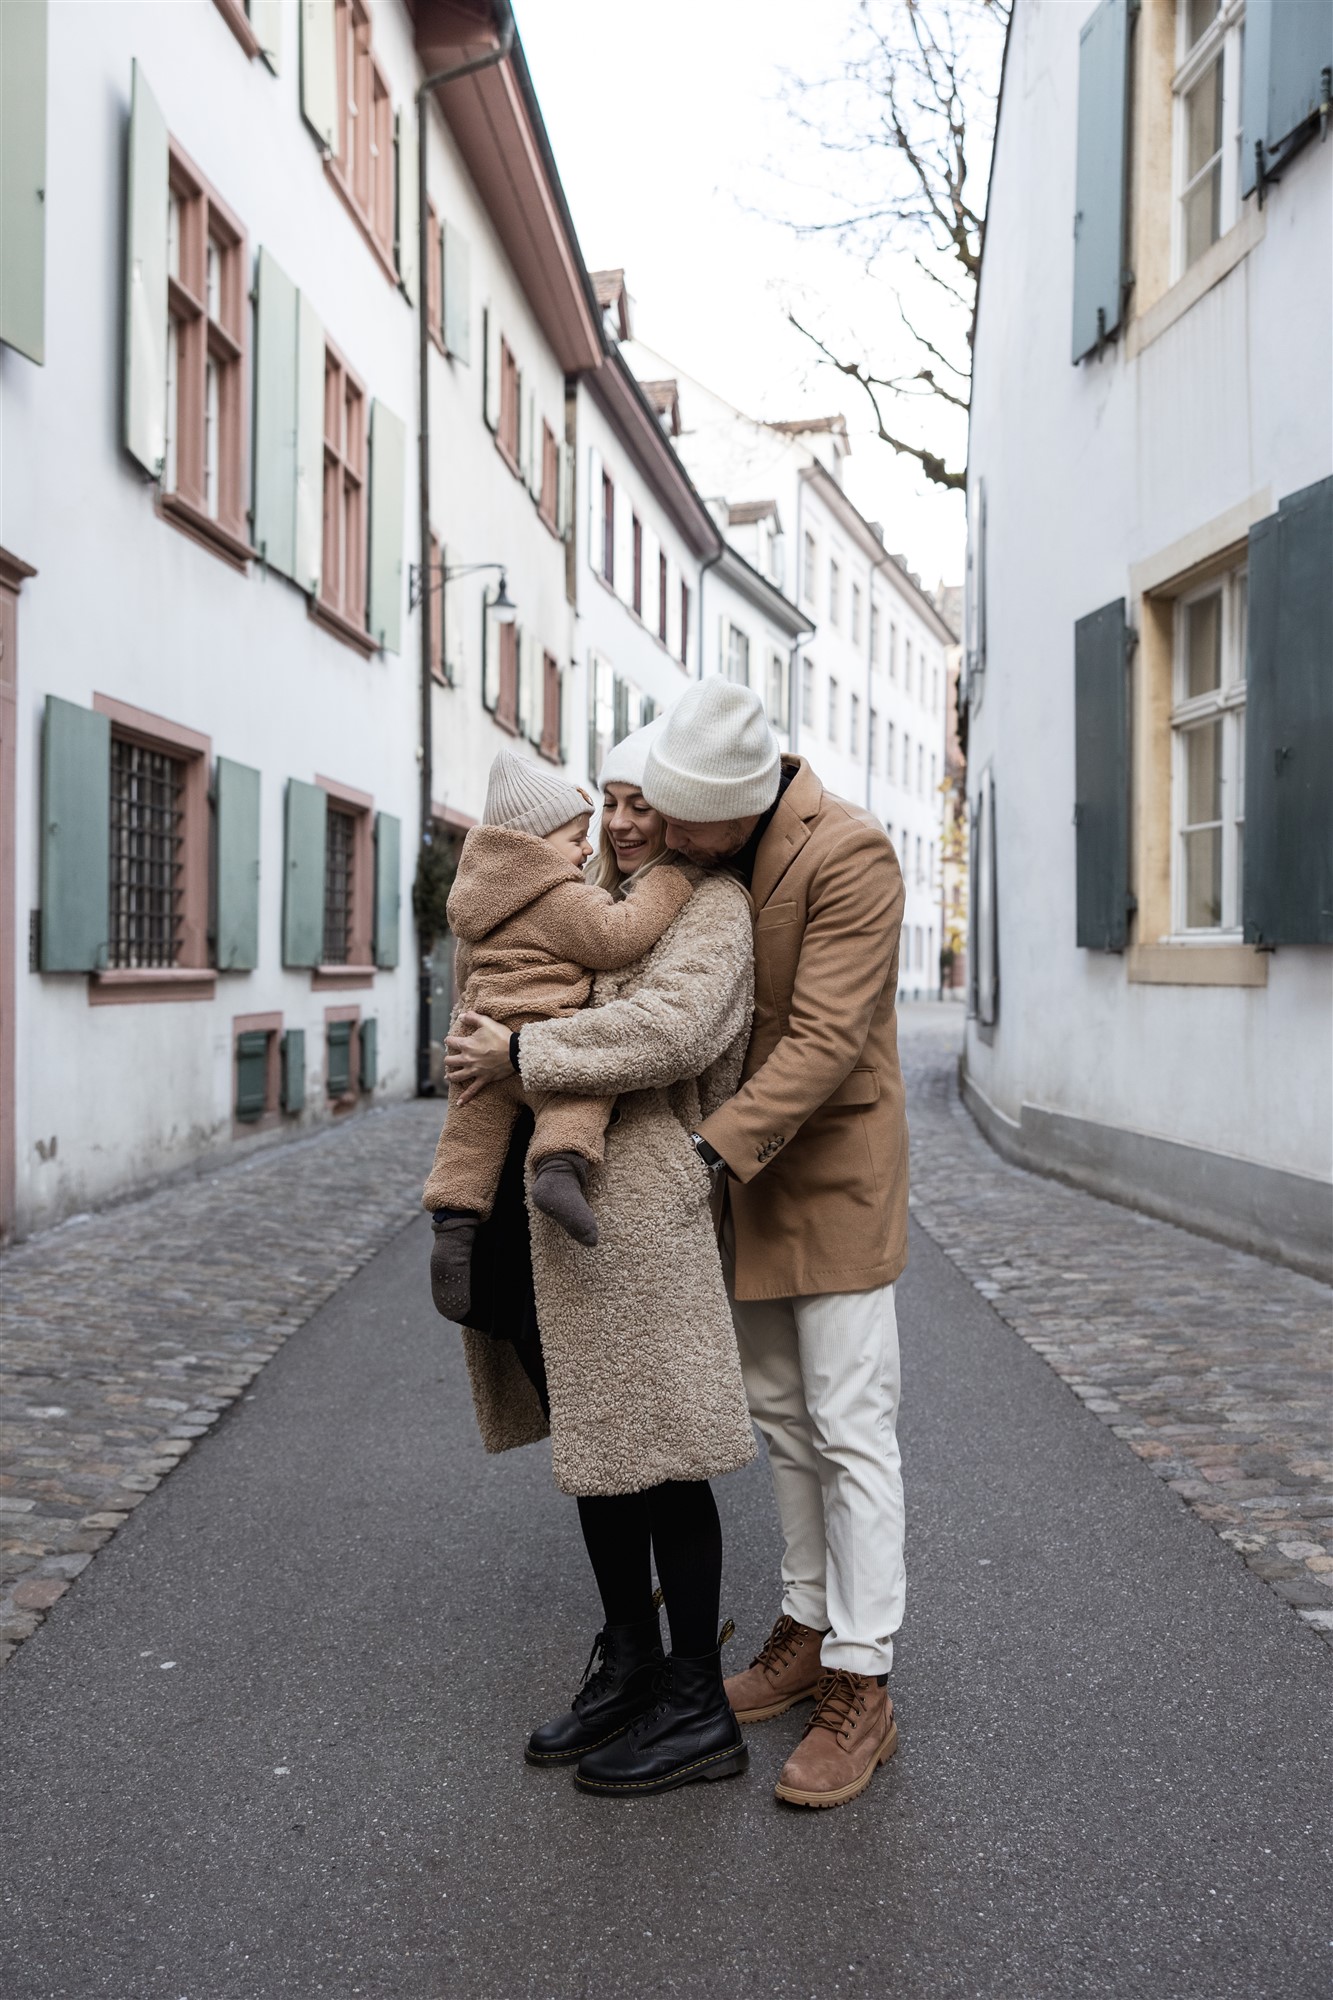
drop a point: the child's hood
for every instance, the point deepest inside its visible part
(501, 872)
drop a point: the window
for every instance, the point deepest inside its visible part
(777, 704)
(921, 770)
(874, 633)
(342, 584)
(854, 726)
(890, 754)
(147, 820)
(834, 592)
(920, 878)
(738, 656)
(832, 710)
(552, 696)
(601, 711)
(1208, 755)
(434, 277)
(873, 744)
(856, 613)
(339, 876)
(907, 762)
(893, 652)
(810, 559)
(662, 596)
(549, 505)
(363, 168)
(907, 666)
(684, 624)
(930, 861)
(609, 529)
(1208, 126)
(637, 525)
(934, 773)
(511, 398)
(435, 610)
(506, 707)
(807, 694)
(204, 474)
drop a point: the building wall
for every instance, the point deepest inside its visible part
(728, 609)
(1104, 480)
(127, 606)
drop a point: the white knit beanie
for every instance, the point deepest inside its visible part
(521, 795)
(626, 760)
(716, 758)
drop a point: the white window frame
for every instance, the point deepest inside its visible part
(738, 655)
(832, 715)
(854, 726)
(1227, 704)
(778, 691)
(1222, 41)
(834, 591)
(809, 566)
(856, 613)
(807, 692)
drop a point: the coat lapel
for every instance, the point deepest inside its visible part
(787, 833)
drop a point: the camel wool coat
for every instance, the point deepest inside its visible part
(815, 1140)
(641, 1363)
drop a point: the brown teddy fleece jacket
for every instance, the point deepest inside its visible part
(532, 930)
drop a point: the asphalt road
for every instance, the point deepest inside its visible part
(1113, 1777)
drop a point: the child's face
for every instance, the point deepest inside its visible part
(570, 841)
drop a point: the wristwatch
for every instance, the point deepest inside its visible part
(711, 1159)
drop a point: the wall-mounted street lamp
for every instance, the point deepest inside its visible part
(437, 575)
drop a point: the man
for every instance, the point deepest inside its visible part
(812, 1157)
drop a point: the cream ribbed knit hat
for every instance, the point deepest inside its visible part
(625, 762)
(521, 795)
(716, 758)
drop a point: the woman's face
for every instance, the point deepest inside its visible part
(636, 833)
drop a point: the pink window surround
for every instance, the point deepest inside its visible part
(259, 1024)
(451, 817)
(191, 977)
(13, 575)
(236, 18)
(340, 604)
(352, 1095)
(209, 329)
(360, 968)
(361, 171)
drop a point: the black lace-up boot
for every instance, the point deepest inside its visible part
(618, 1685)
(691, 1732)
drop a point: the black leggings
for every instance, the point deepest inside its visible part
(678, 1521)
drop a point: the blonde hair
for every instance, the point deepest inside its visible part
(603, 871)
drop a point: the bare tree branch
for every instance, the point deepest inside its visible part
(931, 464)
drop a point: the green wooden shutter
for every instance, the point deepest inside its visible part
(1101, 778)
(23, 39)
(309, 565)
(388, 470)
(388, 896)
(370, 1065)
(251, 1074)
(1300, 49)
(237, 850)
(490, 372)
(293, 1070)
(146, 280)
(274, 516)
(338, 1058)
(319, 71)
(266, 20)
(1287, 888)
(76, 838)
(409, 225)
(1099, 201)
(303, 874)
(457, 268)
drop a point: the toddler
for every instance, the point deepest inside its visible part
(531, 934)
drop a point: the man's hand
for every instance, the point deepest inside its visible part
(477, 1053)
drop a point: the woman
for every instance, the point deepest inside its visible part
(638, 1381)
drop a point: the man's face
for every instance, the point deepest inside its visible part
(708, 842)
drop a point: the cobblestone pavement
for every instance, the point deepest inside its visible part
(126, 1334)
(1213, 1366)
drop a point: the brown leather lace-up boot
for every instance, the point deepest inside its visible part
(784, 1671)
(851, 1733)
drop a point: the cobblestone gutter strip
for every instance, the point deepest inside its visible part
(1212, 1365)
(126, 1334)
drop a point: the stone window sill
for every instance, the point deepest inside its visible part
(340, 978)
(140, 984)
(343, 628)
(368, 236)
(202, 528)
(1209, 270)
(1197, 965)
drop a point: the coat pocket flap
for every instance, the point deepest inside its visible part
(774, 915)
(861, 1087)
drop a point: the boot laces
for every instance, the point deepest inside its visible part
(780, 1648)
(595, 1678)
(840, 1700)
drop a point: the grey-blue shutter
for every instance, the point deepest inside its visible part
(387, 894)
(456, 265)
(237, 863)
(388, 482)
(251, 1074)
(147, 200)
(1288, 47)
(273, 517)
(1101, 778)
(23, 40)
(1099, 199)
(370, 1064)
(338, 1058)
(1254, 90)
(293, 1070)
(76, 838)
(1287, 892)
(303, 874)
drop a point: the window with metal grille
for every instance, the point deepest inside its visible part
(147, 815)
(338, 867)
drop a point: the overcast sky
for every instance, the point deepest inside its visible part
(676, 153)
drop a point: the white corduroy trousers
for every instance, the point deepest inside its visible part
(822, 1377)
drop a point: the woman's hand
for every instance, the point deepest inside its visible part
(477, 1053)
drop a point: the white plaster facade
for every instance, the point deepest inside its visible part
(1127, 475)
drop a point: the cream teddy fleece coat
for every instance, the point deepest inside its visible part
(641, 1360)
